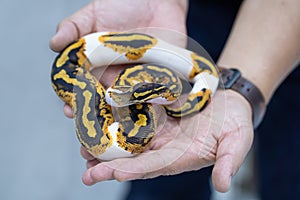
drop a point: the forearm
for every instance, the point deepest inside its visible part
(265, 42)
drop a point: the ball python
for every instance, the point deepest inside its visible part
(155, 78)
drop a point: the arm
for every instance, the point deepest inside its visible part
(264, 46)
(264, 43)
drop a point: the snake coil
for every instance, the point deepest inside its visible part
(133, 92)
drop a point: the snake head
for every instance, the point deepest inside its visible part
(119, 96)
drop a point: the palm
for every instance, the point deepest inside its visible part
(221, 134)
(205, 136)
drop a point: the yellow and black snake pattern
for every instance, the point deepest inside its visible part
(157, 80)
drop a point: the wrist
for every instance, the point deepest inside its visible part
(232, 94)
(238, 111)
(233, 79)
(257, 77)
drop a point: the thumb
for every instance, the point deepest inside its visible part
(72, 28)
(231, 152)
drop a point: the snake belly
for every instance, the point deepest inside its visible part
(133, 91)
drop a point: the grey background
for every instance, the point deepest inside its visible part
(39, 150)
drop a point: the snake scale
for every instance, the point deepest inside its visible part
(155, 78)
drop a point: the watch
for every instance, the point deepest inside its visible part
(232, 79)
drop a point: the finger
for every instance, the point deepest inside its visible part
(68, 111)
(97, 173)
(86, 155)
(231, 153)
(72, 28)
(147, 165)
(122, 169)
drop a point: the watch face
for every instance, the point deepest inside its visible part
(229, 77)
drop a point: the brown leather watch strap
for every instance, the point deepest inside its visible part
(232, 79)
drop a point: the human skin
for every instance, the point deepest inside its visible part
(224, 131)
(264, 43)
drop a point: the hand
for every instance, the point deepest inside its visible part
(116, 15)
(221, 135)
(220, 139)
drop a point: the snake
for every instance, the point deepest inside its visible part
(154, 77)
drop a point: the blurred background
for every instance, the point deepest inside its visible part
(39, 150)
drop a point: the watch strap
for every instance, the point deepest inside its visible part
(232, 79)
